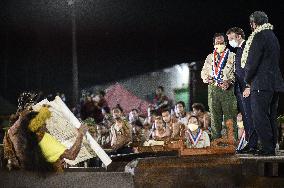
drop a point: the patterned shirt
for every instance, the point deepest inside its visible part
(120, 136)
(227, 72)
(202, 141)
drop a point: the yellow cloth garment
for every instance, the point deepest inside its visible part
(51, 148)
(40, 119)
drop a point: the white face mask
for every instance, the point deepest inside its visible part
(220, 47)
(233, 43)
(192, 127)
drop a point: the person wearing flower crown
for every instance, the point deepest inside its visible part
(44, 147)
(14, 153)
(218, 73)
(28, 144)
(260, 59)
(195, 137)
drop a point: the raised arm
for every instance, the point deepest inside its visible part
(72, 153)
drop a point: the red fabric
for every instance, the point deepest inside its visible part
(117, 94)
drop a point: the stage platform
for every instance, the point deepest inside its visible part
(209, 171)
(163, 170)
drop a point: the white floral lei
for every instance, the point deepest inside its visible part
(250, 39)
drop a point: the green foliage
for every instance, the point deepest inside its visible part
(90, 121)
(280, 119)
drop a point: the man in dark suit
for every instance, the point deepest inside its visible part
(263, 77)
(236, 37)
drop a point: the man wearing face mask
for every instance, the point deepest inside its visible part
(260, 59)
(236, 38)
(218, 73)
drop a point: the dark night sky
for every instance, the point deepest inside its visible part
(116, 39)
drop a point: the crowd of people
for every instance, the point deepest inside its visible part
(248, 82)
(165, 121)
(28, 138)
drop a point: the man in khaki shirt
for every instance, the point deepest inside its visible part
(120, 133)
(218, 73)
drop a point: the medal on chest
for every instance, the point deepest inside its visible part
(218, 64)
(194, 138)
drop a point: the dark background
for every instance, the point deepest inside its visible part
(115, 39)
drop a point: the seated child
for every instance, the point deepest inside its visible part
(194, 136)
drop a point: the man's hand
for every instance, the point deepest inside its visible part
(83, 129)
(225, 84)
(210, 80)
(246, 92)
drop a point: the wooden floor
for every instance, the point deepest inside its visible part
(164, 170)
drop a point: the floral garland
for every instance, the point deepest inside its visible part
(250, 39)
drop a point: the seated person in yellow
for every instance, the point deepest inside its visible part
(46, 150)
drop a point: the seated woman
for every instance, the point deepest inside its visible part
(161, 132)
(195, 137)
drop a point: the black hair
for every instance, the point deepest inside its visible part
(199, 106)
(259, 17)
(137, 123)
(134, 109)
(154, 112)
(220, 35)
(166, 110)
(182, 103)
(193, 116)
(160, 87)
(34, 158)
(117, 107)
(102, 93)
(106, 109)
(237, 31)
